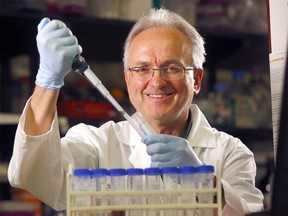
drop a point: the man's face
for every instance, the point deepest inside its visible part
(159, 100)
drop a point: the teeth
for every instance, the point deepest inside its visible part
(157, 96)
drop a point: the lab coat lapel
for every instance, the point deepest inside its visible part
(138, 157)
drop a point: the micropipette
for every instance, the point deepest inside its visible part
(81, 67)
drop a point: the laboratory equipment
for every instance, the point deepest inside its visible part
(153, 195)
(81, 67)
(187, 179)
(153, 181)
(99, 182)
(205, 180)
(135, 182)
(170, 182)
(118, 183)
(82, 183)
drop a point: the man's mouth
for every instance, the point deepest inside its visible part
(158, 95)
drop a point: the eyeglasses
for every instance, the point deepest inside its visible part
(167, 73)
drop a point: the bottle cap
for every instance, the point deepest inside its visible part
(188, 169)
(135, 171)
(170, 170)
(153, 171)
(82, 172)
(99, 172)
(118, 172)
(206, 169)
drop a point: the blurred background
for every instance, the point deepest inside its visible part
(235, 94)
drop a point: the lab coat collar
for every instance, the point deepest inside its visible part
(202, 134)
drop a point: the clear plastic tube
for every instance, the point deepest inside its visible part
(170, 182)
(153, 181)
(188, 178)
(205, 179)
(135, 182)
(81, 183)
(99, 182)
(118, 183)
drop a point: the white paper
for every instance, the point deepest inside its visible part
(278, 10)
(277, 67)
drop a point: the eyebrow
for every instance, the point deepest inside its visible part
(163, 64)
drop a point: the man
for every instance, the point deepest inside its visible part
(163, 68)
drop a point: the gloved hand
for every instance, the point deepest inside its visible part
(57, 47)
(167, 150)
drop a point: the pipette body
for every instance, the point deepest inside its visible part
(81, 67)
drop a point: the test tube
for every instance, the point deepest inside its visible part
(99, 182)
(188, 177)
(81, 183)
(170, 182)
(118, 183)
(153, 181)
(135, 182)
(205, 179)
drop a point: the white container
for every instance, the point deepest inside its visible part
(135, 182)
(205, 179)
(187, 178)
(153, 181)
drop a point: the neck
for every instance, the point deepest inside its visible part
(177, 127)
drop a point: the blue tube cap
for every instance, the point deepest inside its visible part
(118, 172)
(135, 171)
(153, 171)
(206, 169)
(82, 172)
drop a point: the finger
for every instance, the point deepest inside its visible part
(166, 157)
(43, 22)
(53, 25)
(151, 138)
(156, 148)
(66, 41)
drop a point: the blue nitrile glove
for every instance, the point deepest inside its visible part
(167, 150)
(57, 47)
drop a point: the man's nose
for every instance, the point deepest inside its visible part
(157, 79)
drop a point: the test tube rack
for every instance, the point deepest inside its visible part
(72, 210)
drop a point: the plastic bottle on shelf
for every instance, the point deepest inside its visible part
(188, 178)
(153, 181)
(205, 180)
(82, 183)
(118, 183)
(170, 182)
(135, 182)
(99, 182)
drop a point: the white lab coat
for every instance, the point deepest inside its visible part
(39, 163)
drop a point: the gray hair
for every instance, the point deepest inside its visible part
(165, 18)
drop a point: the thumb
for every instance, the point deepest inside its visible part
(43, 22)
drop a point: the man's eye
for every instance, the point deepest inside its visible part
(173, 69)
(142, 69)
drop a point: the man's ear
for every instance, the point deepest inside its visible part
(198, 75)
(126, 76)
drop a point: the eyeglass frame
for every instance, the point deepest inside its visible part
(161, 70)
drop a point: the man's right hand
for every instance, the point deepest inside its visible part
(57, 47)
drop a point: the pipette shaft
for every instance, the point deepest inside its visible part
(81, 67)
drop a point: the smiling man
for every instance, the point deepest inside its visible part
(163, 68)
